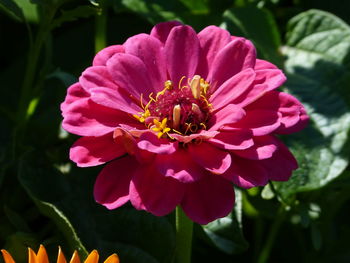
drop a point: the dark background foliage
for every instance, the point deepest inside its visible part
(45, 199)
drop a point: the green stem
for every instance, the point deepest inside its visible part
(184, 228)
(265, 253)
(32, 68)
(101, 27)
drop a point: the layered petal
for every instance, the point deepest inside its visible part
(161, 31)
(260, 122)
(246, 173)
(155, 193)
(96, 77)
(212, 39)
(75, 92)
(286, 164)
(86, 118)
(130, 73)
(209, 157)
(236, 56)
(234, 139)
(111, 188)
(264, 147)
(150, 51)
(265, 80)
(232, 88)
(182, 53)
(293, 114)
(92, 151)
(180, 166)
(150, 142)
(105, 54)
(227, 115)
(208, 199)
(263, 64)
(115, 99)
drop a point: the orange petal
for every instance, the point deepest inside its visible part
(41, 257)
(112, 259)
(31, 256)
(93, 257)
(61, 258)
(75, 258)
(7, 257)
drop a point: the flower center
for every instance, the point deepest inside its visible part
(183, 109)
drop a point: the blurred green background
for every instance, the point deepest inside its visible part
(45, 199)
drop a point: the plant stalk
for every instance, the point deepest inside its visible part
(184, 229)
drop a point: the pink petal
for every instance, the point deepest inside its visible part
(150, 142)
(150, 51)
(236, 56)
(105, 54)
(154, 192)
(263, 64)
(115, 99)
(293, 114)
(96, 77)
(232, 88)
(210, 157)
(247, 173)
(182, 53)
(227, 115)
(179, 166)
(130, 73)
(92, 151)
(75, 92)
(265, 80)
(238, 139)
(286, 164)
(112, 184)
(212, 39)
(86, 118)
(161, 31)
(208, 199)
(260, 122)
(202, 135)
(264, 147)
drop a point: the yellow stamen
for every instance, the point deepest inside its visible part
(204, 86)
(160, 127)
(196, 87)
(183, 77)
(168, 85)
(176, 116)
(143, 117)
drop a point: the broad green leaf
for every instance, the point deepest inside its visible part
(226, 233)
(74, 14)
(317, 68)
(67, 199)
(11, 8)
(257, 25)
(197, 13)
(29, 9)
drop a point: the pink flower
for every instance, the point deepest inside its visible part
(180, 117)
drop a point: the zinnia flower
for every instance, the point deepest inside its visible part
(42, 257)
(180, 117)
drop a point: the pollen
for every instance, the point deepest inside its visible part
(181, 108)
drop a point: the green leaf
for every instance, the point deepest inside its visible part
(197, 13)
(317, 68)
(226, 233)
(67, 199)
(29, 9)
(257, 25)
(11, 8)
(74, 14)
